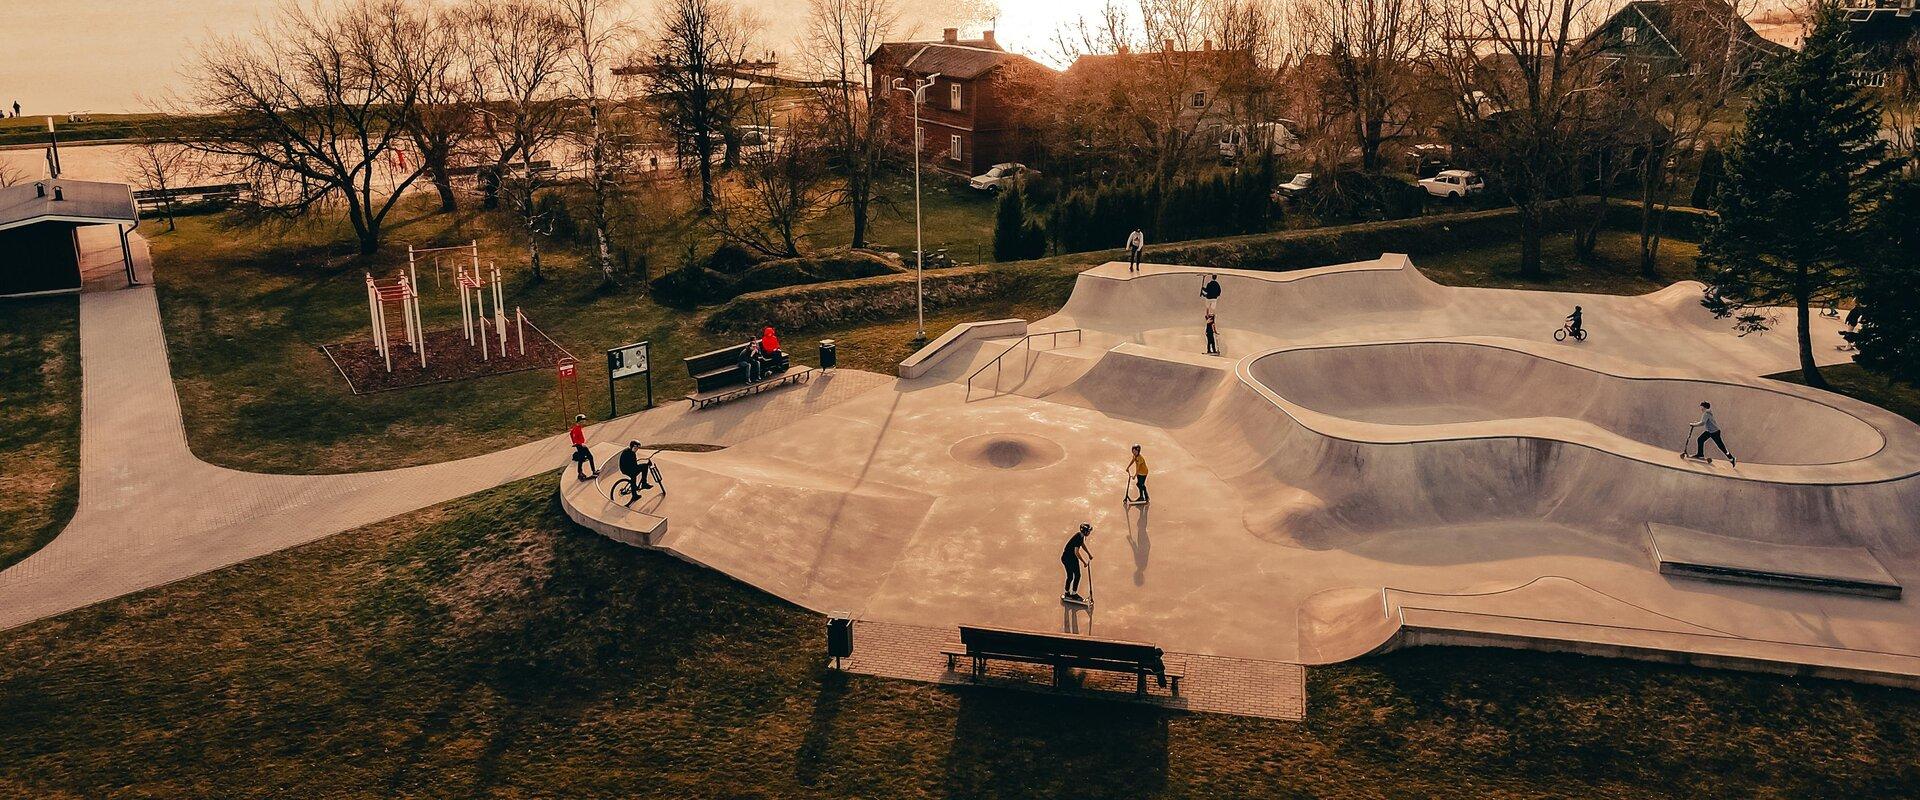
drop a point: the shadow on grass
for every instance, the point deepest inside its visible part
(1021, 744)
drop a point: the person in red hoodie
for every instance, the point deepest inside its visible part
(582, 457)
(769, 343)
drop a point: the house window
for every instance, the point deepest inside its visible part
(1629, 33)
(953, 147)
(1199, 99)
(953, 96)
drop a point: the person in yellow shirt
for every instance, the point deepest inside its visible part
(1138, 469)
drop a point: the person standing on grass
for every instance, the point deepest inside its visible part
(636, 469)
(1070, 559)
(582, 457)
(1136, 242)
(1213, 333)
(1137, 469)
(1211, 291)
(1709, 429)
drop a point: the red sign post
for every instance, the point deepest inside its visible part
(567, 389)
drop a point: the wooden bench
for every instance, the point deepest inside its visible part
(717, 377)
(1062, 652)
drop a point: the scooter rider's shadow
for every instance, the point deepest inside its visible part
(1137, 539)
(1070, 618)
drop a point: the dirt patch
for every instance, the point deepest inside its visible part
(449, 358)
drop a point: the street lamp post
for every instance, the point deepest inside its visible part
(919, 92)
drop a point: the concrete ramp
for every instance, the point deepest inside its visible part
(1164, 388)
(1688, 553)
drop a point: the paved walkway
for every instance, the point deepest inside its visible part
(150, 512)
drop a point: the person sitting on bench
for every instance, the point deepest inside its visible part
(769, 343)
(750, 361)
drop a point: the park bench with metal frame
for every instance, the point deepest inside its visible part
(717, 377)
(1062, 652)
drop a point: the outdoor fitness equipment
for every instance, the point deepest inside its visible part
(473, 309)
(400, 294)
(472, 252)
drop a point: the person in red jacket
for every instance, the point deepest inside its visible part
(582, 457)
(769, 343)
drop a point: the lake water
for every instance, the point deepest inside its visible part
(60, 56)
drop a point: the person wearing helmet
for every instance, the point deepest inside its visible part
(582, 457)
(1071, 557)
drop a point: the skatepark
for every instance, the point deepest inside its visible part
(1375, 461)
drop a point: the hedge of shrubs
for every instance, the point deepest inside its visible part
(839, 303)
(1220, 204)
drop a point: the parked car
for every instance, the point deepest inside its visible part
(1426, 160)
(1453, 184)
(1247, 140)
(1002, 175)
(1296, 185)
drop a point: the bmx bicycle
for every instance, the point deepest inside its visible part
(1567, 330)
(625, 491)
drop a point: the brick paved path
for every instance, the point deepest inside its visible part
(150, 512)
(1213, 684)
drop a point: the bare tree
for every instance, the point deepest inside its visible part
(518, 55)
(1371, 49)
(1155, 89)
(595, 30)
(319, 97)
(159, 164)
(854, 116)
(11, 175)
(1716, 53)
(784, 183)
(442, 118)
(1521, 83)
(696, 81)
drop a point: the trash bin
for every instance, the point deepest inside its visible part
(839, 636)
(827, 355)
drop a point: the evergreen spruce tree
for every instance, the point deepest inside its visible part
(1712, 170)
(1889, 296)
(1010, 225)
(1804, 179)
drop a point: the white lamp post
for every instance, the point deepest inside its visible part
(919, 92)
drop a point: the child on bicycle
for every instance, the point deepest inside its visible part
(636, 469)
(1573, 323)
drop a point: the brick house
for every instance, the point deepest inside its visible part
(982, 109)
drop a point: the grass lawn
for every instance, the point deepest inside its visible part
(33, 129)
(487, 647)
(1855, 382)
(39, 421)
(1614, 267)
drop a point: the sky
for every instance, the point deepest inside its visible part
(104, 56)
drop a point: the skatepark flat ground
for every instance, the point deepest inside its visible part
(1376, 461)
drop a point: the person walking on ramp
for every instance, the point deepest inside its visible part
(1211, 291)
(582, 457)
(1071, 557)
(1136, 242)
(1213, 337)
(1709, 429)
(1137, 469)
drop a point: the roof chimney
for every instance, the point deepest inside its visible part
(57, 194)
(39, 190)
(1207, 45)
(950, 35)
(1167, 44)
(987, 36)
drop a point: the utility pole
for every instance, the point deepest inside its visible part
(919, 92)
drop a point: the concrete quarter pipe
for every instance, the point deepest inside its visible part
(1376, 461)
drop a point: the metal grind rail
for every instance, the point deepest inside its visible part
(1053, 342)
